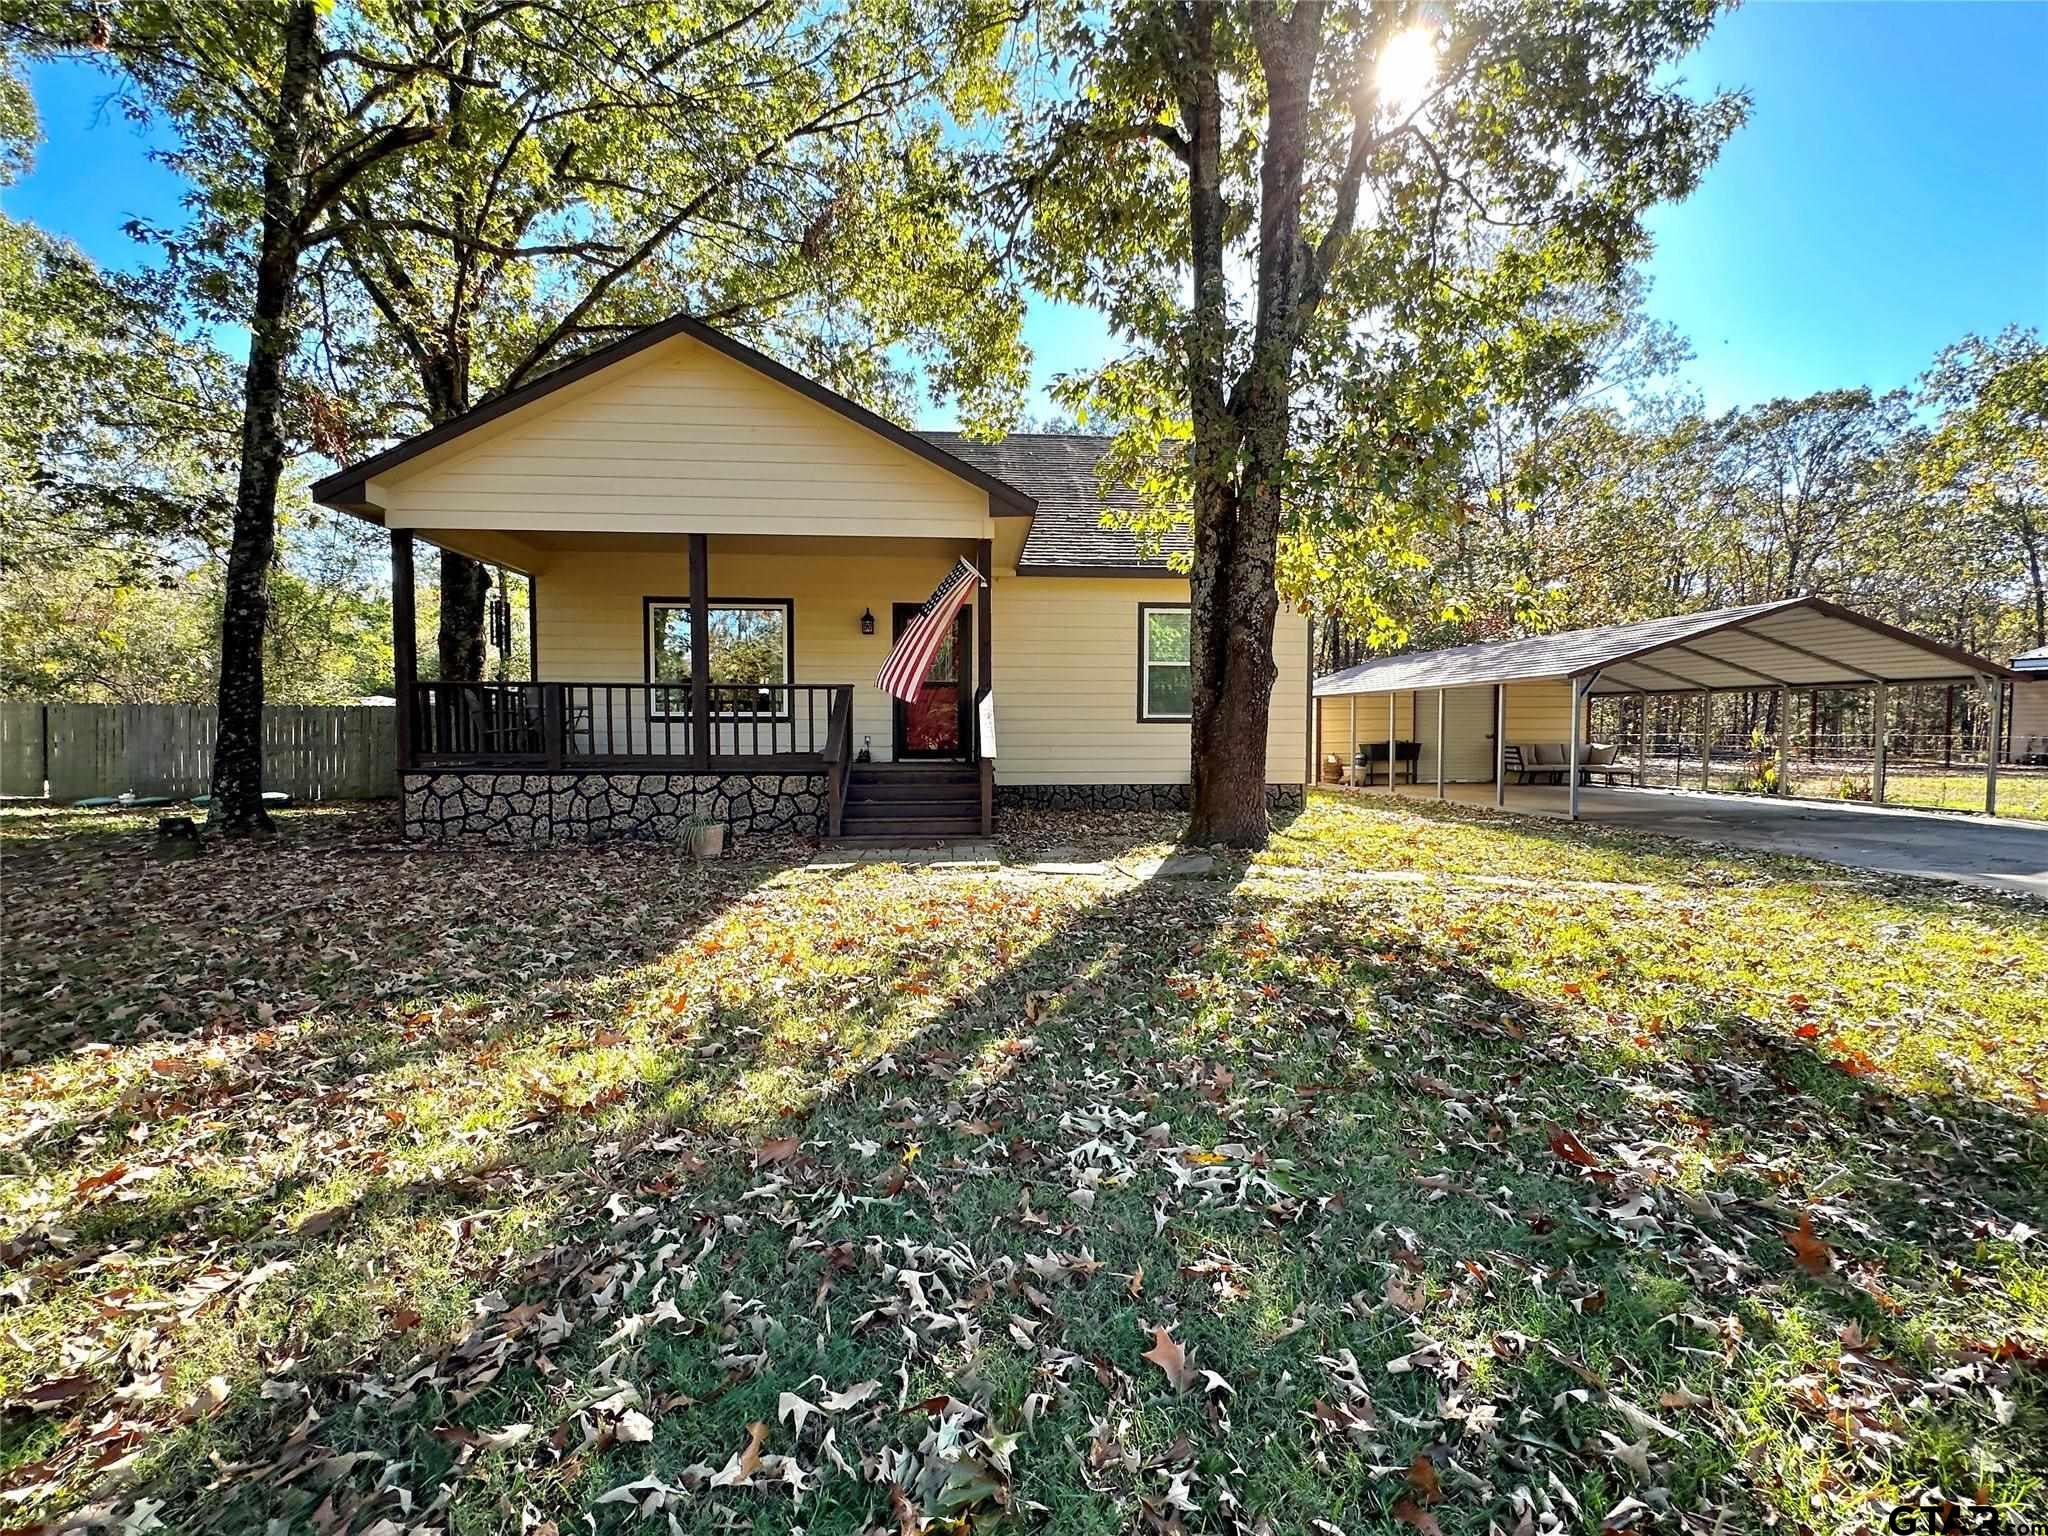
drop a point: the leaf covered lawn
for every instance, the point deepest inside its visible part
(1428, 1172)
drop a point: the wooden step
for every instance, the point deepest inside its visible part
(939, 773)
(896, 794)
(924, 829)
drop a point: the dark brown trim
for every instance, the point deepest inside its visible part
(345, 487)
(1107, 572)
(680, 600)
(1143, 610)
(704, 735)
(532, 629)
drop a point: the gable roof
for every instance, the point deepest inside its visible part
(1057, 470)
(346, 487)
(2035, 660)
(1800, 642)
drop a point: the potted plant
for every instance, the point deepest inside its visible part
(707, 836)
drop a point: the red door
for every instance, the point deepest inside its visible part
(936, 725)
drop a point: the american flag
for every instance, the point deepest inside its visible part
(902, 675)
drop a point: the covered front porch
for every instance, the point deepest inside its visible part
(676, 677)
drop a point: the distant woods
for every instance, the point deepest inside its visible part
(1621, 499)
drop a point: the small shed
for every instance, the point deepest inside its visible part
(2027, 735)
(1476, 713)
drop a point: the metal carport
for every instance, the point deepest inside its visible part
(1798, 642)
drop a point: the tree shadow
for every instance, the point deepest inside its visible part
(113, 947)
(1348, 1101)
(685, 1119)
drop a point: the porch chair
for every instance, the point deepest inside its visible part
(1601, 764)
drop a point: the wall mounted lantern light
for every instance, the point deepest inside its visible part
(867, 621)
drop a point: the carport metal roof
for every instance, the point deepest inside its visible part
(1798, 642)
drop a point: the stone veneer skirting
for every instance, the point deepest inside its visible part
(608, 807)
(1124, 797)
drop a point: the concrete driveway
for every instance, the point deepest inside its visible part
(2003, 855)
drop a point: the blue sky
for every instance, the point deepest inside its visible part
(1889, 193)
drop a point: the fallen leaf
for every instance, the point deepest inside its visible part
(852, 1397)
(1571, 1149)
(1405, 1508)
(1423, 1479)
(1170, 1358)
(1814, 1256)
(57, 1392)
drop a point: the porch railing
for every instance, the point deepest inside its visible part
(557, 727)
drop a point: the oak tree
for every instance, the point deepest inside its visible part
(1310, 224)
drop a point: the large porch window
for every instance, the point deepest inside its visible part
(752, 647)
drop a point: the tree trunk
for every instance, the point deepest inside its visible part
(1234, 605)
(465, 586)
(1227, 778)
(2030, 541)
(236, 807)
(1241, 445)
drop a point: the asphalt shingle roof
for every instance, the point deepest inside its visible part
(1057, 469)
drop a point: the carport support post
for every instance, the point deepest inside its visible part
(1996, 710)
(1784, 740)
(1391, 696)
(1578, 732)
(1439, 743)
(1706, 741)
(1351, 748)
(1500, 746)
(1883, 730)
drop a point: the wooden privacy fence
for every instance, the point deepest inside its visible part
(311, 751)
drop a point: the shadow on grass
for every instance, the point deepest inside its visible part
(1409, 1097)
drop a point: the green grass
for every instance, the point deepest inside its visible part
(2022, 794)
(412, 1148)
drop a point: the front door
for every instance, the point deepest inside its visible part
(936, 725)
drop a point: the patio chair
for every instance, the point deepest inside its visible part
(1601, 763)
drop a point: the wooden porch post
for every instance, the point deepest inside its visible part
(404, 644)
(1880, 707)
(984, 681)
(532, 628)
(700, 651)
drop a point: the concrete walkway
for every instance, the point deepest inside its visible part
(2003, 855)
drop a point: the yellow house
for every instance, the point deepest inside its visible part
(714, 538)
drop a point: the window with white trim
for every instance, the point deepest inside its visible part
(1165, 667)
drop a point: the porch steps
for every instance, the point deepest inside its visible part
(908, 802)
